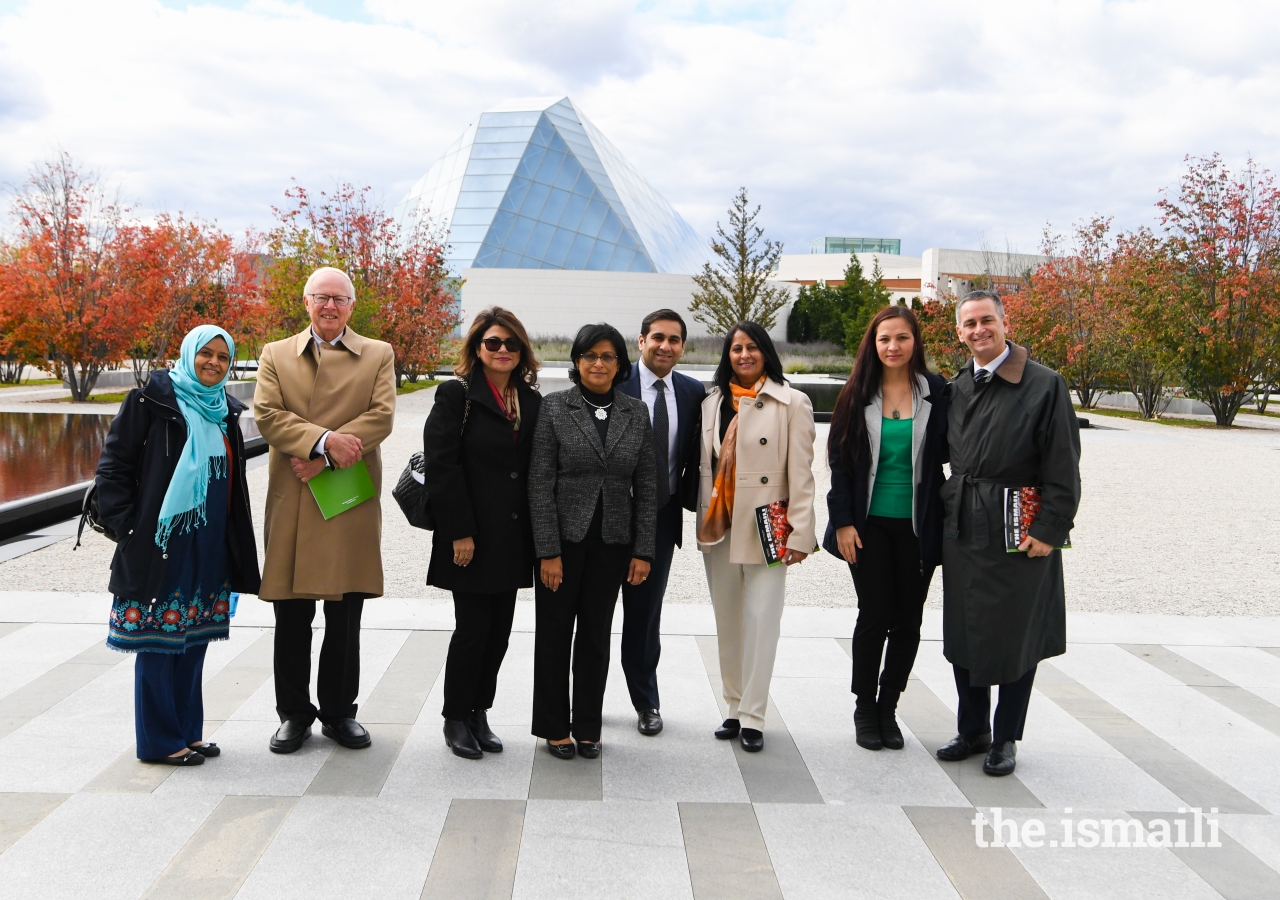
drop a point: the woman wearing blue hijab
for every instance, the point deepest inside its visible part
(171, 487)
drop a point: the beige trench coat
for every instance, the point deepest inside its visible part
(775, 462)
(304, 391)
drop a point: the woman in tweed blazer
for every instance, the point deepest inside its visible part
(592, 504)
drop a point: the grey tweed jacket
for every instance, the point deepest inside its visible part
(569, 467)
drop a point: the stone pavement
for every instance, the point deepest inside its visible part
(1145, 717)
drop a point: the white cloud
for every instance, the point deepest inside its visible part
(934, 122)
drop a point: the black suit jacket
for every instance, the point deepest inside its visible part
(689, 396)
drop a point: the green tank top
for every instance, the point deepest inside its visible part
(891, 496)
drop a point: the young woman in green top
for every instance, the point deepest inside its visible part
(886, 448)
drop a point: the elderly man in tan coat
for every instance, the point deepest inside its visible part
(325, 397)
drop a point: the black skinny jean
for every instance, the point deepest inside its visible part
(593, 574)
(892, 586)
(482, 627)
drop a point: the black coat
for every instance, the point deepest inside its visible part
(689, 396)
(850, 494)
(478, 482)
(137, 462)
(1004, 612)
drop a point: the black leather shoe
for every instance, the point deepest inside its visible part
(961, 747)
(290, 735)
(588, 749)
(347, 732)
(478, 723)
(190, 758)
(649, 722)
(561, 751)
(729, 730)
(890, 733)
(209, 750)
(1001, 759)
(752, 740)
(866, 727)
(460, 739)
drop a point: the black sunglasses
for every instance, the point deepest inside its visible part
(493, 344)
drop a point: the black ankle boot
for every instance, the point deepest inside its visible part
(866, 724)
(459, 737)
(890, 733)
(478, 725)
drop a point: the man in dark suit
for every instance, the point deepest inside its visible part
(675, 410)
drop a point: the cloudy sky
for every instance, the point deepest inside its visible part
(941, 123)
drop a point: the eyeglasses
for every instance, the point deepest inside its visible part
(607, 358)
(494, 344)
(338, 299)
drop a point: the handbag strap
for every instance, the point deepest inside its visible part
(466, 409)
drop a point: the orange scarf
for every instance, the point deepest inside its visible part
(720, 511)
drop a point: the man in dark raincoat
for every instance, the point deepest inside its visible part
(1011, 424)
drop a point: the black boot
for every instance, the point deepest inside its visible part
(866, 724)
(478, 724)
(890, 733)
(459, 737)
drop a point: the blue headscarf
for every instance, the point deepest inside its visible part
(204, 455)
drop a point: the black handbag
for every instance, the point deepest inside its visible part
(411, 490)
(89, 515)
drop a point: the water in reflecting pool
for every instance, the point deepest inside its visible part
(45, 451)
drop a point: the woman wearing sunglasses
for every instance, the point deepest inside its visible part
(476, 443)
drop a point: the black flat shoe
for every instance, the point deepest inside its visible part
(478, 724)
(961, 747)
(729, 730)
(347, 732)
(649, 722)
(1001, 759)
(866, 727)
(890, 733)
(588, 749)
(190, 758)
(458, 737)
(290, 735)
(561, 751)
(752, 740)
(209, 750)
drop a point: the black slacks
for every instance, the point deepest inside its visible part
(642, 614)
(974, 714)
(482, 628)
(892, 586)
(338, 681)
(593, 572)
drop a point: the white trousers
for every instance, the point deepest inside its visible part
(748, 603)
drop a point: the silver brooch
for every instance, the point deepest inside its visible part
(601, 414)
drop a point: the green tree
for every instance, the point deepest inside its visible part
(735, 288)
(841, 313)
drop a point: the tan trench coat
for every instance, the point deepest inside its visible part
(775, 462)
(304, 391)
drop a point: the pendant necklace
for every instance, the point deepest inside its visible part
(600, 410)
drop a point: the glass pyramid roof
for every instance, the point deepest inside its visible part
(535, 185)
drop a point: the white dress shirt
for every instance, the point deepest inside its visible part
(994, 364)
(319, 447)
(649, 394)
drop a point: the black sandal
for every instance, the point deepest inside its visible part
(209, 749)
(190, 758)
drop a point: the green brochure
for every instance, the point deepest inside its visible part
(338, 490)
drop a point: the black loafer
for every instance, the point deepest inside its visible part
(458, 737)
(588, 749)
(290, 735)
(190, 758)
(890, 733)
(752, 740)
(866, 727)
(347, 732)
(209, 750)
(729, 730)
(962, 747)
(478, 723)
(561, 751)
(649, 722)
(1001, 759)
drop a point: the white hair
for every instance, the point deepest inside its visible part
(326, 270)
(980, 295)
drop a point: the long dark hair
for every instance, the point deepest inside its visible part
(772, 363)
(469, 353)
(848, 438)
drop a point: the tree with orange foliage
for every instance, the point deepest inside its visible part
(418, 311)
(1140, 300)
(938, 332)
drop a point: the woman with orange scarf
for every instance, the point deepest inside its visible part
(757, 467)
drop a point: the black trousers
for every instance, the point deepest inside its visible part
(974, 714)
(593, 572)
(482, 627)
(642, 614)
(892, 586)
(338, 683)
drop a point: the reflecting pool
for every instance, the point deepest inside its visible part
(42, 452)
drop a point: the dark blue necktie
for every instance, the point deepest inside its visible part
(661, 431)
(982, 376)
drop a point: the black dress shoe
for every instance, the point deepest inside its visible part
(866, 726)
(209, 750)
(478, 723)
(729, 730)
(962, 747)
(890, 733)
(752, 740)
(561, 751)
(1001, 759)
(588, 749)
(190, 758)
(460, 739)
(347, 732)
(649, 722)
(290, 735)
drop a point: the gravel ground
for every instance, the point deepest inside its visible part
(1173, 520)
